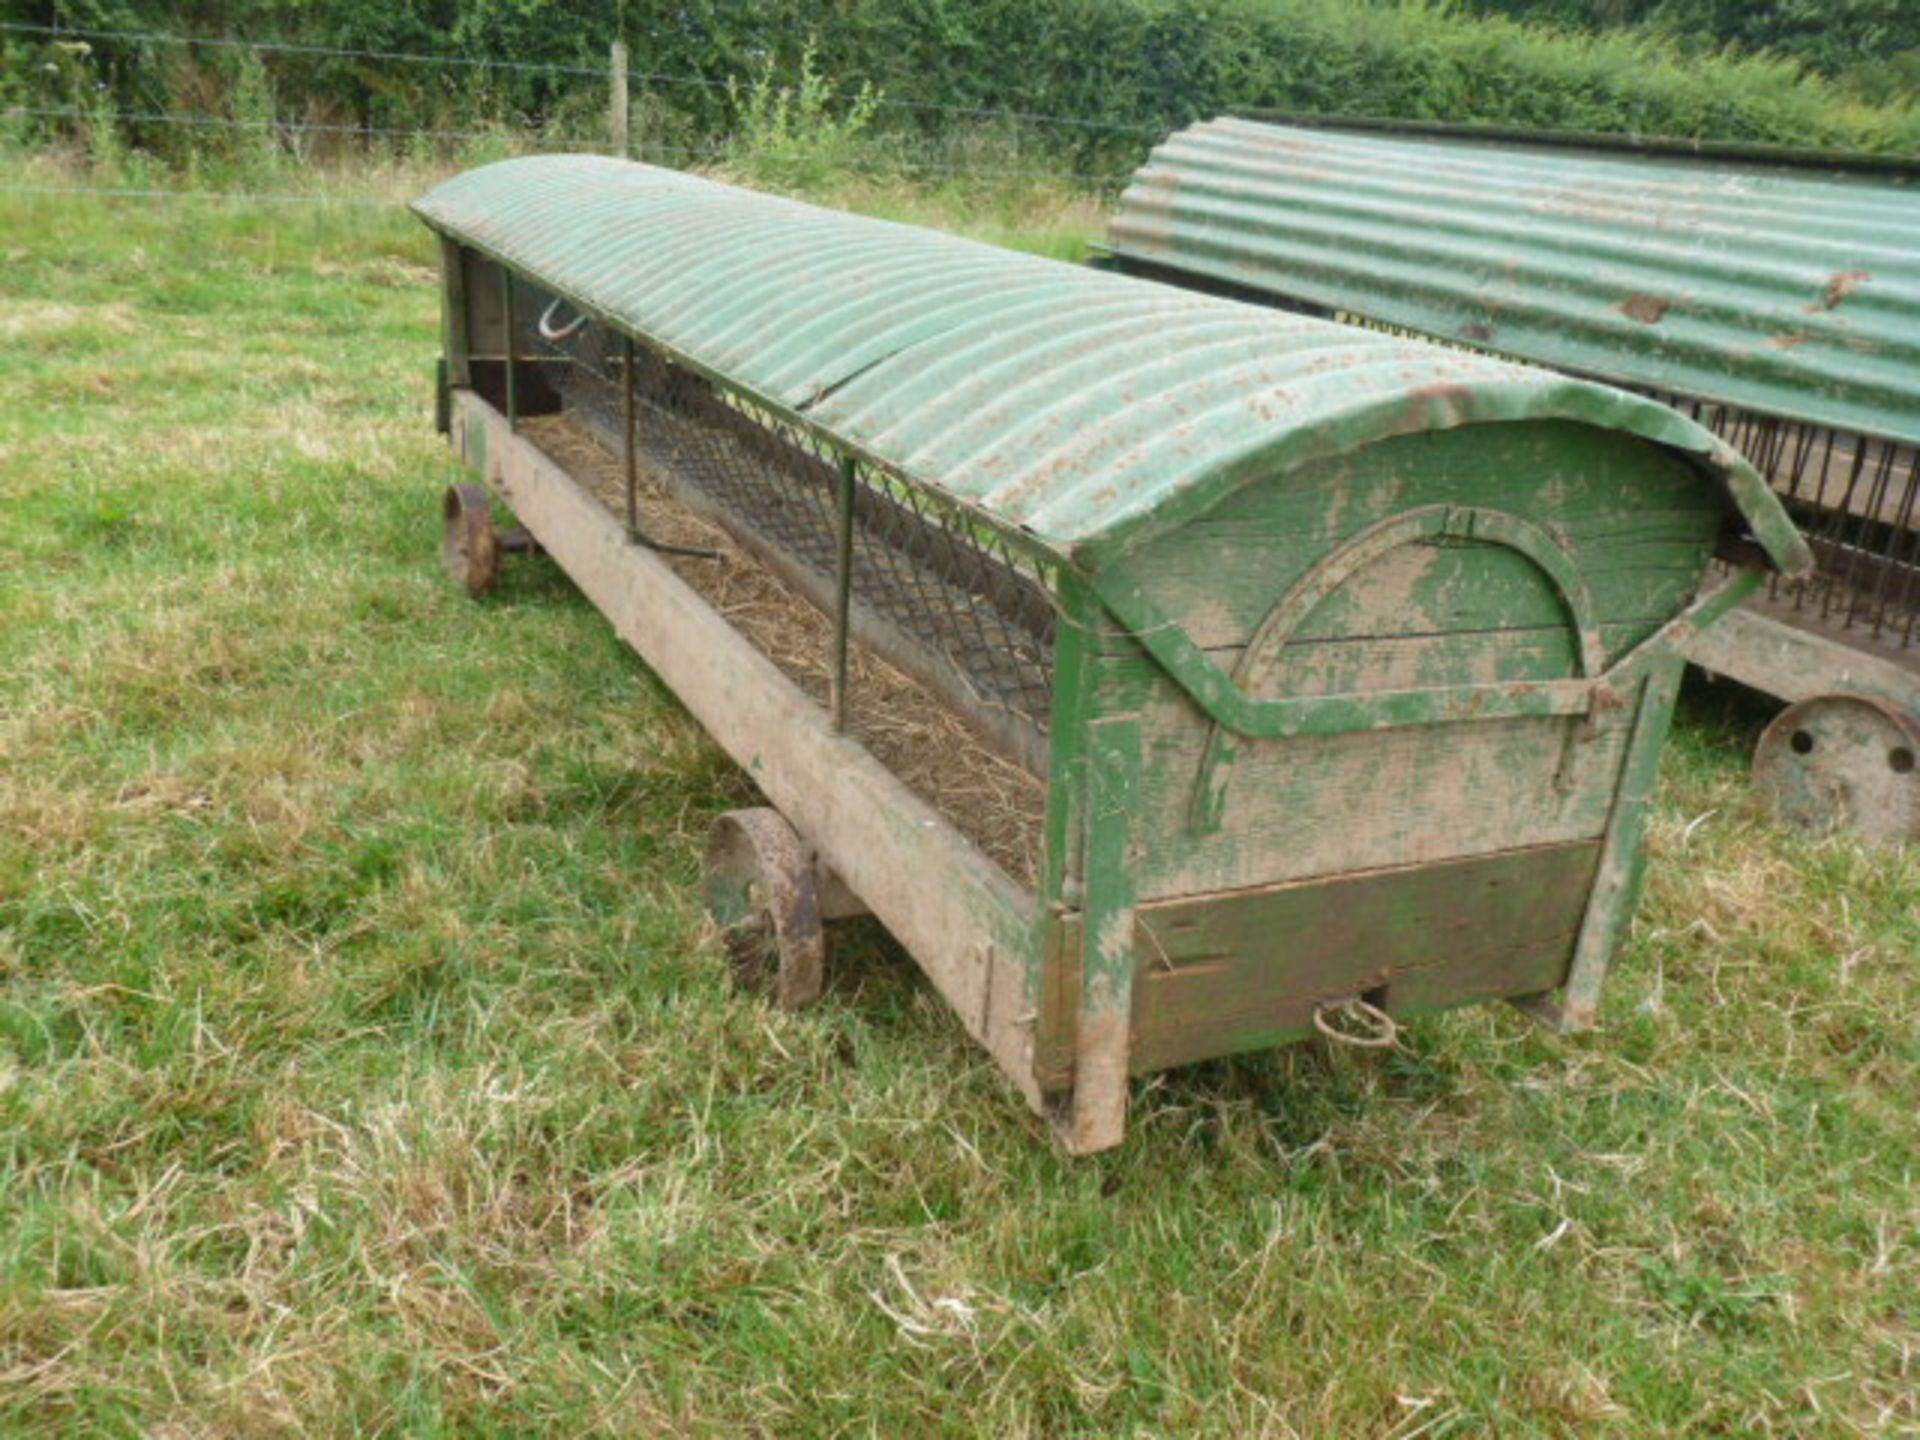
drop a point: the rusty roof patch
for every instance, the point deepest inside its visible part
(1587, 251)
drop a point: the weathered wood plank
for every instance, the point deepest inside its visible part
(453, 313)
(966, 924)
(1616, 888)
(1097, 1116)
(1760, 645)
(1056, 976)
(1324, 805)
(1425, 589)
(1230, 972)
(1331, 666)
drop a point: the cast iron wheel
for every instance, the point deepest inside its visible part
(468, 543)
(761, 888)
(1843, 761)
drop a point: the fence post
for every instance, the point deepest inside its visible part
(617, 97)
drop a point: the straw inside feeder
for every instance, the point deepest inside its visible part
(995, 802)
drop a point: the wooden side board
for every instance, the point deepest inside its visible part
(1247, 969)
(1796, 662)
(966, 924)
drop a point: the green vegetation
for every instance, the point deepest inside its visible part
(1872, 47)
(1125, 71)
(796, 137)
(366, 1067)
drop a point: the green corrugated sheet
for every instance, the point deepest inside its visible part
(1783, 292)
(1088, 410)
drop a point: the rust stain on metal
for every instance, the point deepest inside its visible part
(1647, 309)
(1840, 285)
(1545, 250)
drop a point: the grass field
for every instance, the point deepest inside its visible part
(365, 1067)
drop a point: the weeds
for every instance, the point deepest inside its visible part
(798, 136)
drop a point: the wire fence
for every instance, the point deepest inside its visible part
(649, 150)
(651, 77)
(287, 131)
(147, 192)
(892, 160)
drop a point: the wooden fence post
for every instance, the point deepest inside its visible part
(617, 97)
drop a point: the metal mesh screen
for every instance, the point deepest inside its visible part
(951, 586)
(1856, 498)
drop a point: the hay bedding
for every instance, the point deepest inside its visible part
(994, 802)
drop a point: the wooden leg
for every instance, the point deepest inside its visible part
(1616, 889)
(1097, 1116)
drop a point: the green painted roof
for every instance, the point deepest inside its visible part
(1087, 410)
(1777, 290)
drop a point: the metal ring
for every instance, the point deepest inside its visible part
(1386, 1031)
(565, 332)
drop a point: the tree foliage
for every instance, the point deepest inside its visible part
(1871, 46)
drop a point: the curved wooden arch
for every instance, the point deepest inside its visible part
(1261, 661)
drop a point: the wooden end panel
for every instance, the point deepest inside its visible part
(1244, 969)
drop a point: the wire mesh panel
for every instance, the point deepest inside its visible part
(1856, 498)
(951, 586)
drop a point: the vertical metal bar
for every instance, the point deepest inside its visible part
(1908, 599)
(1853, 542)
(1885, 551)
(843, 596)
(509, 348)
(632, 463)
(1831, 527)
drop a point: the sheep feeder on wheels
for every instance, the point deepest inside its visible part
(1169, 676)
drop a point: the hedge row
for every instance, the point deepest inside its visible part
(1130, 68)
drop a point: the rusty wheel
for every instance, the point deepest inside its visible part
(1843, 760)
(761, 887)
(468, 543)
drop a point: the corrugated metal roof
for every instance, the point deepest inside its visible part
(1086, 409)
(1758, 287)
